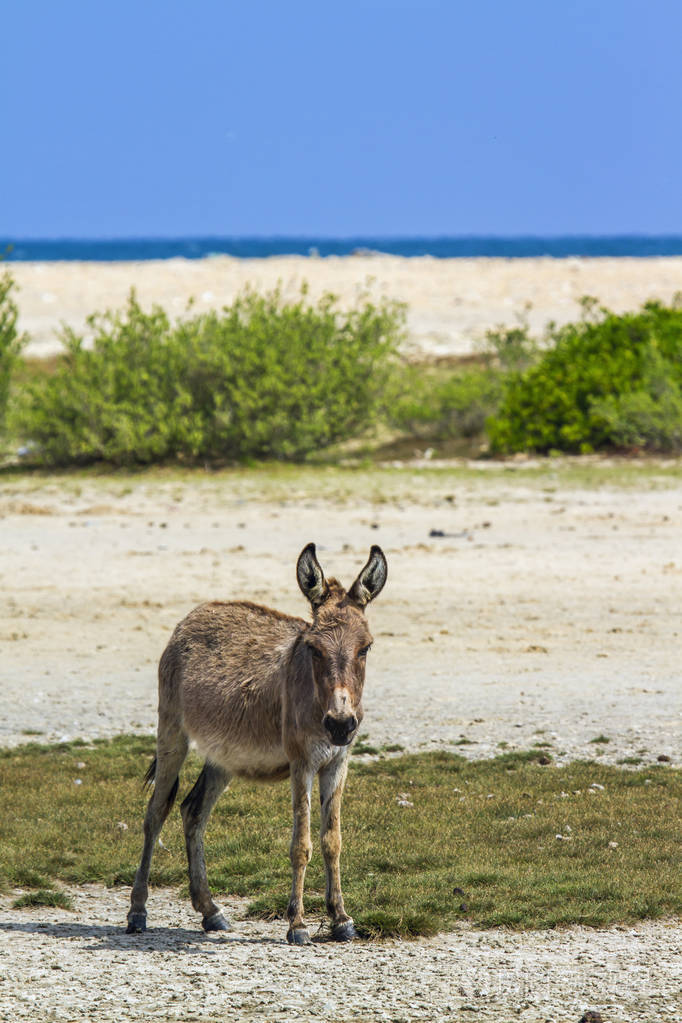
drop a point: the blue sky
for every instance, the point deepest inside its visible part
(376, 118)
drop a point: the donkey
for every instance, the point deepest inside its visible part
(263, 695)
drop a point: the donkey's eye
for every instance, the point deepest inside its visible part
(365, 650)
(317, 654)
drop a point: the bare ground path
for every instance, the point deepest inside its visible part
(550, 610)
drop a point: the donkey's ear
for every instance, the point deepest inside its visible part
(311, 577)
(370, 582)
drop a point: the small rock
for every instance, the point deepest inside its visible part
(458, 891)
(591, 1016)
(544, 759)
(663, 758)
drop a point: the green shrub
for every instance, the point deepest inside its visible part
(608, 381)
(10, 340)
(261, 379)
(430, 404)
(511, 349)
(438, 402)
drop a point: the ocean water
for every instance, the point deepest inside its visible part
(125, 249)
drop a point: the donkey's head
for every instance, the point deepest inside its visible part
(338, 640)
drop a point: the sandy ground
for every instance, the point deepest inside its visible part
(452, 302)
(548, 612)
(66, 966)
(543, 611)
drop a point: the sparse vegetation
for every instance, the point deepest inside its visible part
(488, 827)
(44, 897)
(444, 401)
(11, 342)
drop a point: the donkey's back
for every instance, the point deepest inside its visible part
(221, 682)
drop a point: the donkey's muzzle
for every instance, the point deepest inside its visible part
(340, 729)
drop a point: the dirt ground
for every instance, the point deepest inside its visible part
(550, 610)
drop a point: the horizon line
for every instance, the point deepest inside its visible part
(393, 237)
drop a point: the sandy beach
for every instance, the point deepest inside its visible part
(451, 302)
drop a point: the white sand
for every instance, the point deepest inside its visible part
(543, 612)
(452, 302)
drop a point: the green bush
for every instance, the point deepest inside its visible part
(10, 340)
(262, 379)
(608, 381)
(435, 405)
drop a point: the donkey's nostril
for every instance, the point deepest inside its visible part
(340, 729)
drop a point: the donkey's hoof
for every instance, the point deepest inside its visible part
(137, 923)
(344, 931)
(216, 922)
(298, 936)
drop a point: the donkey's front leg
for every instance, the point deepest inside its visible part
(301, 850)
(332, 780)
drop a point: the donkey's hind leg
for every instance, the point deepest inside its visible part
(196, 809)
(171, 752)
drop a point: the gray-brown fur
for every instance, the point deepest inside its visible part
(263, 695)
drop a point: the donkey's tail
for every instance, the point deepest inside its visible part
(150, 775)
(150, 778)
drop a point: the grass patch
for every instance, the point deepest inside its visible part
(361, 748)
(488, 828)
(600, 739)
(267, 482)
(43, 897)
